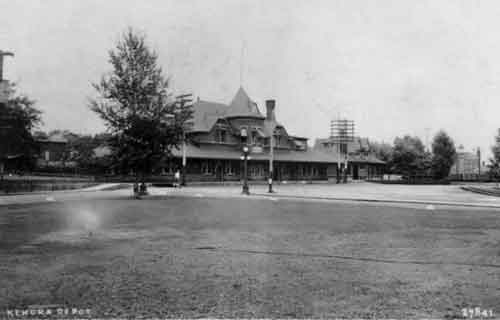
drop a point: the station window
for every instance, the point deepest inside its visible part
(304, 171)
(206, 168)
(314, 171)
(229, 169)
(343, 148)
(256, 171)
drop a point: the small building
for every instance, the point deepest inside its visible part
(54, 152)
(215, 146)
(361, 163)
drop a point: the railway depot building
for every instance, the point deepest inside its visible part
(217, 135)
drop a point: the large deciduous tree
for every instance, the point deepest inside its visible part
(443, 155)
(18, 118)
(495, 160)
(409, 156)
(384, 152)
(136, 104)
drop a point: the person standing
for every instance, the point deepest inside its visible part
(177, 177)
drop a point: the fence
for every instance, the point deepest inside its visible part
(413, 179)
(32, 185)
(472, 177)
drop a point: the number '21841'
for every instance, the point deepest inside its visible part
(477, 313)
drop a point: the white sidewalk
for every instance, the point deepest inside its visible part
(367, 192)
(449, 195)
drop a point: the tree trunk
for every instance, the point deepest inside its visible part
(143, 189)
(136, 185)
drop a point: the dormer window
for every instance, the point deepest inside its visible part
(299, 144)
(257, 136)
(221, 135)
(277, 138)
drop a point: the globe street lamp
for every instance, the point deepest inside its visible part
(246, 151)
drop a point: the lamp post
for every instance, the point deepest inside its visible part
(244, 157)
(339, 166)
(186, 126)
(183, 168)
(246, 151)
(478, 163)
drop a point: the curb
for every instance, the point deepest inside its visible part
(434, 202)
(481, 191)
(50, 192)
(260, 195)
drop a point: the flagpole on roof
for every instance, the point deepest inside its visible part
(241, 61)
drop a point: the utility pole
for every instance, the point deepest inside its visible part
(183, 100)
(478, 162)
(241, 62)
(427, 130)
(341, 133)
(271, 161)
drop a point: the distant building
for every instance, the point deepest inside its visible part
(54, 152)
(468, 165)
(215, 148)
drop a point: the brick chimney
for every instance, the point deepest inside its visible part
(270, 105)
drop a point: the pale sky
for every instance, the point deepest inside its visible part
(395, 67)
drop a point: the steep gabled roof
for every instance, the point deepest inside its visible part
(229, 153)
(243, 106)
(206, 115)
(56, 137)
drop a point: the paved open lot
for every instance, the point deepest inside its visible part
(192, 257)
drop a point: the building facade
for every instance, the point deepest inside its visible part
(217, 136)
(468, 165)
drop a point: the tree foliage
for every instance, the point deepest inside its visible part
(443, 155)
(83, 152)
(409, 156)
(137, 106)
(494, 164)
(384, 152)
(18, 118)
